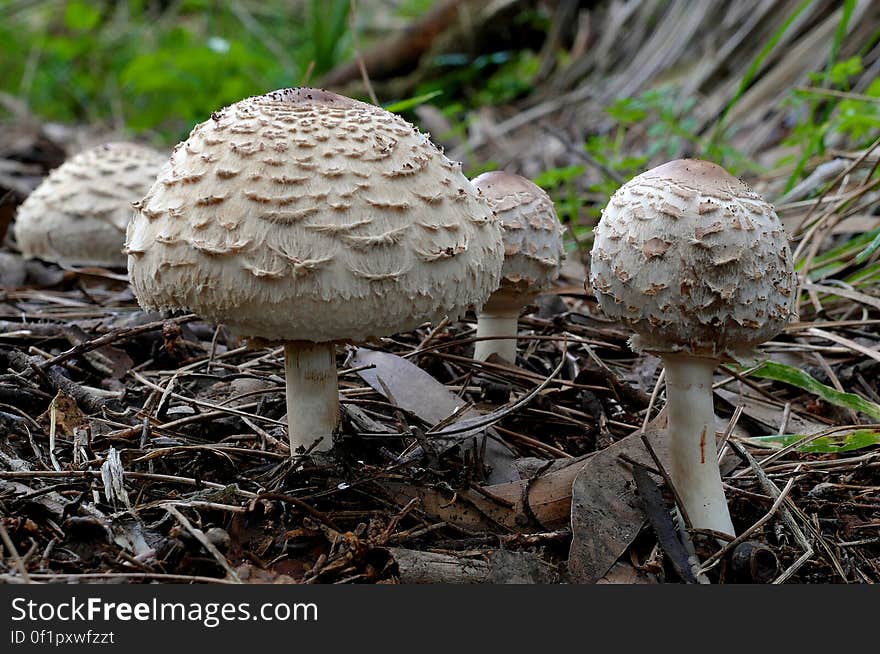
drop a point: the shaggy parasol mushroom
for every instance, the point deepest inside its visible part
(310, 219)
(699, 266)
(533, 253)
(78, 215)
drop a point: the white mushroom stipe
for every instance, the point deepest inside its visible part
(79, 214)
(533, 253)
(499, 330)
(692, 451)
(699, 266)
(302, 216)
(312, 391)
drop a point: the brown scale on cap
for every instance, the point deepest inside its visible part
(79, 213)
(302, 215)
(705, 262)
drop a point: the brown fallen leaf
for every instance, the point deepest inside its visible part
(540, 503)
(464, 508)
(606, 512)
(51, 503)
(251, 574)
(626, 573)
(68, 416)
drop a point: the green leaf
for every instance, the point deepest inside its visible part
(843, 442)
(842, 71)
(626, 111)
(409, 103)
(555, 177)
(81, 16)
(795, 377)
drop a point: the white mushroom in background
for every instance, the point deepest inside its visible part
(699, 266)
(533, 253)
(309, 218)
(79, 214)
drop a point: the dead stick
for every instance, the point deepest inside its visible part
(199, 535)
(111, 337)
(7, 541)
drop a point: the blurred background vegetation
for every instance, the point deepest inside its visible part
(761, 86)
(163, 66)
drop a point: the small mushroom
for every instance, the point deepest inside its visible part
(533, 253)
(699, 266)
(308, 218)
(78, 215)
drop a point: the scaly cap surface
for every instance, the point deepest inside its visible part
(305, 215)
(532, 233)
(694, 261)
(79, 214)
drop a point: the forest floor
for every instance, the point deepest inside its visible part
(141, 448)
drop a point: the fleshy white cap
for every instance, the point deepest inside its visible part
(306, 215)
(79, 214)
(533, 248)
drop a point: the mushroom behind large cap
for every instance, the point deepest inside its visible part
(305, 215)
(532, 235)
(79, 214)
(695, 261)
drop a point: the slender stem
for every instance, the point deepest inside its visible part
(494, 324)
(694, 461)
(312, 394)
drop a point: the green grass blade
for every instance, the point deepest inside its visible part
(845, 249)
(409, 103)
(840, 257)
(867, 275)
(849, 7)
(846, 442)
(755, 67)
(798, 378)
(868, 251)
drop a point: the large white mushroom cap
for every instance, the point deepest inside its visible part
(79, 214)
(533, 248)
(305, 215)
(694, 261)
